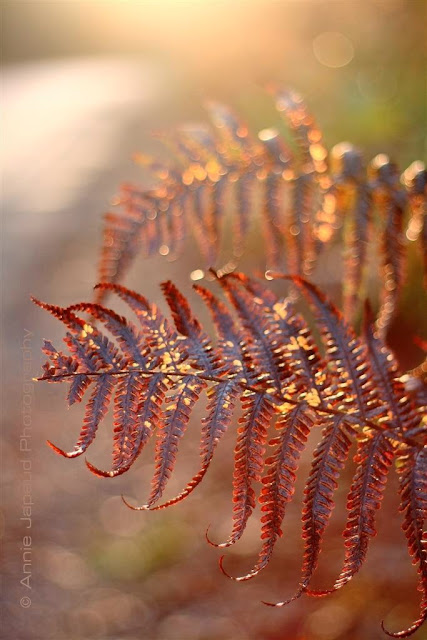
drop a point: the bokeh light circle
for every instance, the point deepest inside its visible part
(333, 49)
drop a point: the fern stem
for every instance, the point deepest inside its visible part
(353, 418)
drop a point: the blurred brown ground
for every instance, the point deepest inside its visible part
(82, 87)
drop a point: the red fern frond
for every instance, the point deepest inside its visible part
(374, 456)
(126, 418)
(345, 352)
(259, 331)
(390, 199)
(373, 459)
(135, 423)
(387, 377)
(222, 400)
(197, 341)
(233, 163)
(279, 480)
(248, 460)
(222, 397)
(130, 341)
(159, 333)
(272, 217)
(266, 357)
(299, 199)
(230, 337)
(96, 410)
(354, 205)
(412, 468)
(177, 416)
(329, 459)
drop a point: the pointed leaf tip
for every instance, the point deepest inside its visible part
(62, 452)
(143, 507)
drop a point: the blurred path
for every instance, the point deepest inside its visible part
(69, 129)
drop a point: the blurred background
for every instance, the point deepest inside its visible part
(83, 86)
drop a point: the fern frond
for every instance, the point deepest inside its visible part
(374, 456)
(390, 198)
(354, 208)
(412, 468)
(248, 460)
(230, 337)
(232, 162)
(160, 335)
(177, 416)
(329, 460)
(301, 198)
(272, 217)
(373, 459)
(299, 348)
(387, 377)
(102, 350)
(260, 332)
(266, 358)
(222, 400)
(129, 339)
(415, 181)
(135, 423)
(279, 480)
(222, 397)
(345, 353)
(126, 418)
(96, 410)
(196, 340)
(292, 107)
(100, 353)
(277, 182)
(77, 388)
